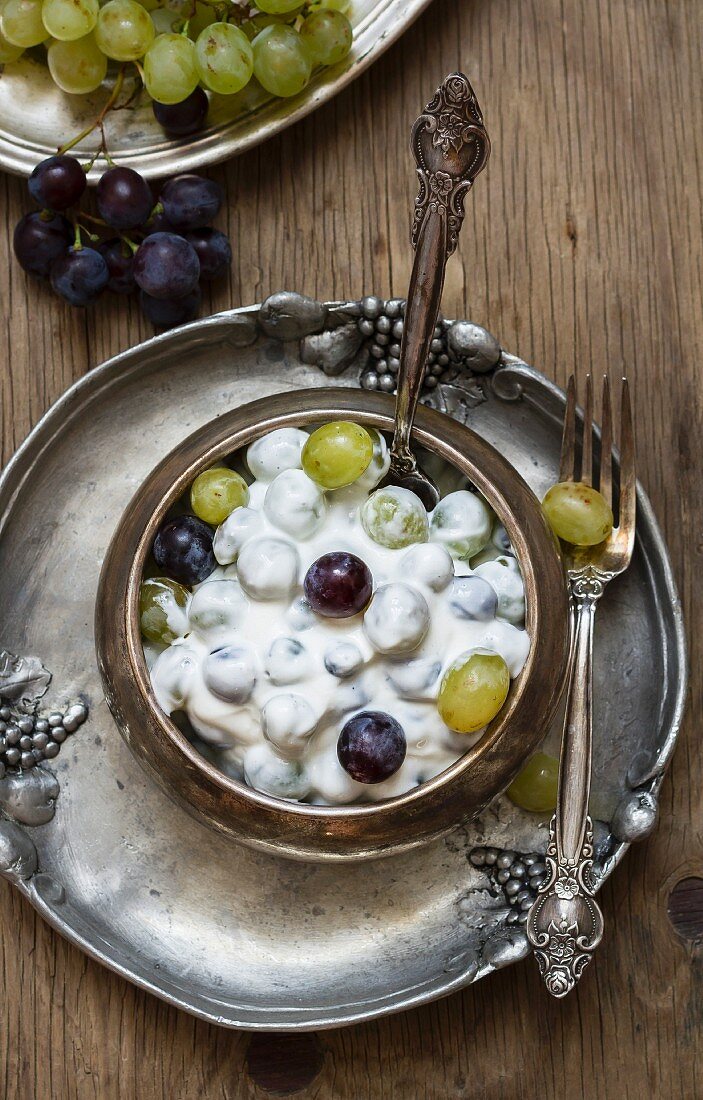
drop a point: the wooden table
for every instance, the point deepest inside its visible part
(583, 247)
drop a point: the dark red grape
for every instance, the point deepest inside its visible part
(184, 118)
(168, 312)
(79, 276)
(214, 252)
(183, 549)
(40, 239)
(338, 585)
(166, 266)
(120, 261)
(371, 746)
(124, 198)
(191, 202)
(57, 182)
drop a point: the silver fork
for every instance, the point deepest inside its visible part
(565, 924)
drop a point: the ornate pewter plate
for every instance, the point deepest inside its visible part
(35, 115)
(234, 936)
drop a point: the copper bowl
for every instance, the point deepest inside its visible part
(297, 830)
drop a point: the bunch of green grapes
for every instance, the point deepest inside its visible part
(179, 46)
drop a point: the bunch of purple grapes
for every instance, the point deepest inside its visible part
(163, 250)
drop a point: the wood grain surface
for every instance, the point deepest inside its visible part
(583, 248)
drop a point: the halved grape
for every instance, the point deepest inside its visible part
(162, 610)
(68, 20)
(21, 23)
(535, 788)
(124, 30)
(472, 691)
(170, 72)
(224, 58)
(215, 494)
(577, 513)
(463, 522)
(77, 67)
(282, 64)
(328, 36)
(395, 517)
(337, 454)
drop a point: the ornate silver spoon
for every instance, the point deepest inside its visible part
(450, 146)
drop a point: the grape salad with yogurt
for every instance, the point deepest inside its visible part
(325, 639)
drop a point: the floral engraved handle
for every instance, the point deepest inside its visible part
(565, 924)
(450, 146)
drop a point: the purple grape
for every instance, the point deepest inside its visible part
(169, 312)
(338, 585)
(120, 261)
(166, 266)
(40, 239)
(191, 202)
(183, 549)
(473, 598)
(184, 118)
(371, 746)
(79, 276)
(124, 198)
(214, 252)
(158, 223)
(57, 182)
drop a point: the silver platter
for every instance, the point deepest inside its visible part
(36, 116)
(234, 936)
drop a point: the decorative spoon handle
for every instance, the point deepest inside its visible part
(450, 146)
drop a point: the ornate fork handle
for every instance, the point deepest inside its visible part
(450, 146)
(565, 924)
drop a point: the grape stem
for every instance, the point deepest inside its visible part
(98, 123)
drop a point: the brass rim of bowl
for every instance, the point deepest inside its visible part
(300, 830)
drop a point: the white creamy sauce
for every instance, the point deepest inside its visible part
(270, 684)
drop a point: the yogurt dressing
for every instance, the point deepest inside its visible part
(267, 684)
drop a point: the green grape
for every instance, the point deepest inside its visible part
(278, 7)
(535, 788)
(224, 58)
(282, 64)
(21, 23)
(170, 72)
(463, 522)
(472, 691)
(330, 5)
(124, 30)
(577, 513)
(204, 16)
(165, 21)
(161, 602)
(8, 52)
(337, 453)
(328, 36)
(216, 493)
(77, 67)
(395, 517)
(68, 20)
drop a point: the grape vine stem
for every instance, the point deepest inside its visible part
(110, 103)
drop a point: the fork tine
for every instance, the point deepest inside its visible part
(628, 477)
(587, 447)
(568, 439)
(606, 445)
